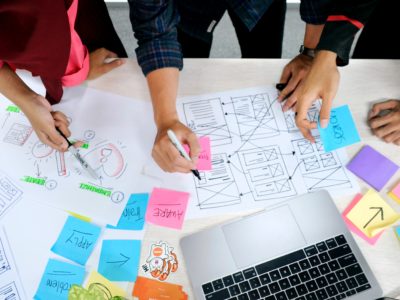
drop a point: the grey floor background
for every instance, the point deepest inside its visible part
(225, 43)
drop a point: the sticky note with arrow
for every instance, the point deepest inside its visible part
(372, 214)
(119, 260)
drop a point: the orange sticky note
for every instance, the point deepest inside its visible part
(395, 193)
(204, 162)
(167, 208)
(146, 289)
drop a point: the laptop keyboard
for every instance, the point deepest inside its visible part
(326, 270)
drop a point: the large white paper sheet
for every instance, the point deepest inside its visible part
(10, 283)
(111, 125)
(259, 157)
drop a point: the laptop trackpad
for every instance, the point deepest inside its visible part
(263, 236)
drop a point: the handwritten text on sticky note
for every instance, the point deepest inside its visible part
(132, 217)
(204, 162)
(167, 208)
(57, 280)
(341, 131)
(76, 240)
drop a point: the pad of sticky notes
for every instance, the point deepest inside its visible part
(341, 131)
(146, 288)
(353, 228)
(372, 167)
(372, 214)
(395, 193)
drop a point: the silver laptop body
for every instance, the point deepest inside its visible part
(254, 244)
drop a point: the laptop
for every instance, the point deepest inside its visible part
(300, 249)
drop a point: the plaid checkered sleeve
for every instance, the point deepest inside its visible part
(154, 24)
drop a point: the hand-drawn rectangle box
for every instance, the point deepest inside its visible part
(18, 134)
(207, 118)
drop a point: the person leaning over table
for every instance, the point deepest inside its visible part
(62, 41)
(167, 30)
(313, 74)
(377, 42)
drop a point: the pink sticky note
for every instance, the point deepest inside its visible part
(204, 162)
(395, 193)
(353, 228)
(167, 208)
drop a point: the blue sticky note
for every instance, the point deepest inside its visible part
(397, 230)
(132, 217)
(57, 280)
(76, 240)
(119, 260)
(341, 131)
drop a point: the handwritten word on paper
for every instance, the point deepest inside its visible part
(372, 167)
(34, 180)
(352, 227)
(341, 131)
(372, 214)
(167, 208)
(57, 280)
(132, 217)
(204, 162)
(9, 193)
(76, 240)
(395, 193)
(95, 189)
(119, 260)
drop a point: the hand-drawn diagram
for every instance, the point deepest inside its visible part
(4, 264)
(255, 117)
(266, 173)
(207, 118)
(106, 159)
(18, 134)
(9, 292)
(312, 115)
(9, 193)
(258, 154)
(218, 186)
(320, 170)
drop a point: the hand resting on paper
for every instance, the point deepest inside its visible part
(167, 156)
(384, 120)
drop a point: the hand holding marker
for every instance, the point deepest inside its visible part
(174, 140)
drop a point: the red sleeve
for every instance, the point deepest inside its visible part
(1, 64)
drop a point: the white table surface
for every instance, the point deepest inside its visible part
(362, 83)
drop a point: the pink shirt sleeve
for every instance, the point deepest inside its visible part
(1, 64)
(78, 64)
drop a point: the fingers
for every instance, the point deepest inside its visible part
(382, 121)
(325, 112)
(194, 146)
(384, 131)
(378, 107)
(53, 141)
(107, 67)
(290, 87)
(302, 122)
(290, 102)
(169, 158)
(392, 137)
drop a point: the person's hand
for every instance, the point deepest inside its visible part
(293, 74)
(386, 126)
(44, 121)
(98, 64)
(321, 82)
(165, 153)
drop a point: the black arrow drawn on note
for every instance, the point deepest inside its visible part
(380, 211)
(121, 262)
(38, 173)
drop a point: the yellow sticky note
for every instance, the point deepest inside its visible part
(110, 288)
(80, 217)
(372, 214)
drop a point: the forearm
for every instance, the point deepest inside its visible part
(13, 88)
(163, 86)
(312, 35)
